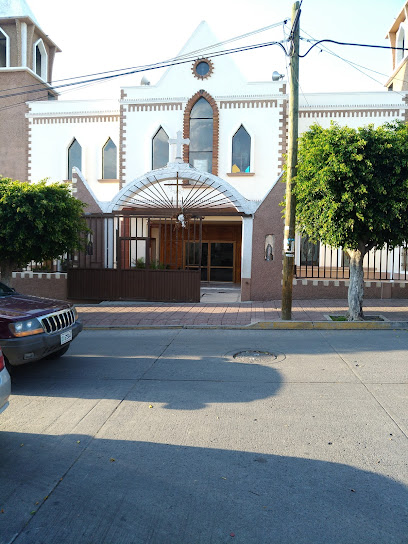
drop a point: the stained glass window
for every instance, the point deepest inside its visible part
(160, 149)
(74, 157)
(109, 160)
(241, 151)
(201, 135)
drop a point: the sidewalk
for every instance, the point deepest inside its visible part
(305, 314)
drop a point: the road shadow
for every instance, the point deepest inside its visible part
(177, 382)
(75, 489)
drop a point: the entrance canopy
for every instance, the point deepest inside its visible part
(181, 188)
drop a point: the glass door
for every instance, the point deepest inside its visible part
(221, 263)
(192, 257)
(217, 260)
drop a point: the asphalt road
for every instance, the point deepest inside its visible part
(162, 436)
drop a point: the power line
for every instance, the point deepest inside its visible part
(151, 67)
(194, 53)
(353, 44)
(355, 65)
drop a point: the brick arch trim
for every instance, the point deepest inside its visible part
(216, 126)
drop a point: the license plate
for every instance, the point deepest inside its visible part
(66, 337)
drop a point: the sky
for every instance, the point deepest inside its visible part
(101, 35)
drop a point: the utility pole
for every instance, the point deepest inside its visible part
(289, 234)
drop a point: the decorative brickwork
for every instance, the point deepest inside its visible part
(208, 74)
(283, 130)
(405, 100)
(49, 285)
(257, 103)
(155, 106)
(216, 127)
(386, 112)
(104, 118)
(28, 145)
(122, 141)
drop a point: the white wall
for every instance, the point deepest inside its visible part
(50, 140)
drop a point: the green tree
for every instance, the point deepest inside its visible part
(351, 190)
(38, 221)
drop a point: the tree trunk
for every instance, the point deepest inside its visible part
(356, 287)
(7, 268)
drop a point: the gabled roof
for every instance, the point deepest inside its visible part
(199, 45)
(16, 8)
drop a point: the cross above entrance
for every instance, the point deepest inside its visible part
(178, 142)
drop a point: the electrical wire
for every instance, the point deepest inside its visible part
(190, 54)
(327, 50)
(152, 67)
(353, 44)
(352, 64)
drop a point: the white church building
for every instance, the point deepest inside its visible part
(184, 176)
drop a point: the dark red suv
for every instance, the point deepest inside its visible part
(32, 328)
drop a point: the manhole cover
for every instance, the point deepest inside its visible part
(255, 356)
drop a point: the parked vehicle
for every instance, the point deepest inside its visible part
(5, 384)
(33, 328)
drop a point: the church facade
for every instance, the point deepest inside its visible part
(203, 149)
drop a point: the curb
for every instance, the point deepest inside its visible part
(269, 325)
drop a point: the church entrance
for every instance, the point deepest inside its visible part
(132, 257)
(162, 235)
(220, 252)
(217, 260)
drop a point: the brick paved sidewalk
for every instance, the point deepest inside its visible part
(116, 314)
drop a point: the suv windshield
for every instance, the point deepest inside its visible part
(4, 290)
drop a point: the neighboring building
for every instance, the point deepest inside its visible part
(398, 36)
(118, 156)
(26, 61)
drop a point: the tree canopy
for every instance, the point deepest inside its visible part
(39, 221)
(352, 185)
(351, 188)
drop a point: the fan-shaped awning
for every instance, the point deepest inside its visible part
(188, 191)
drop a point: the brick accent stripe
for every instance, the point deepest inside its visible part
(258, 103)
(351, 113)
(216, 127)
(108, 118)
(28, 140)
(156, 106)
(283, 131)
(122, 141)
(405, 113)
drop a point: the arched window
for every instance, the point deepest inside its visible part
(201, 135)
(109, 160)
(160, 149)
(40, 60)
(241, 151)
(74, 157)
(4, 49)
(400, 43)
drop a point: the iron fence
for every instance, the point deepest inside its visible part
(319, 261)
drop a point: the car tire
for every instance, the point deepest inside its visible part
(58, 354)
